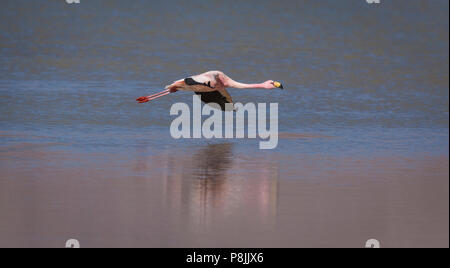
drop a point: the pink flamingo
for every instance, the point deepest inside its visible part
(211, 86)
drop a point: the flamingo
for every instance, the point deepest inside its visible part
(211, 86)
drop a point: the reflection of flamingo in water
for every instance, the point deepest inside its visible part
(213, 161)
(210, 86)
(214, 183)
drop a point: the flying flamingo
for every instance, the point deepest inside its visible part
(211, 86)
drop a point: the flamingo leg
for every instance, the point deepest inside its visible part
(154, 96)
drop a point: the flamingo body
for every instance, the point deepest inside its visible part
(211, 87)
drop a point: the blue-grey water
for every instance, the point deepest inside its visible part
(363, 119)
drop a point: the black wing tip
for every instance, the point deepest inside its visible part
(214, 97)
(191, 82)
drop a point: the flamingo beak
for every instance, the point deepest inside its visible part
(278, 85)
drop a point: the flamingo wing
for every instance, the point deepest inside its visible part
(221, 97)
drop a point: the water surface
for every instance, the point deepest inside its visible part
(363, 150)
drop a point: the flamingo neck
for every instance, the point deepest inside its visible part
(260, 85)
(248, 86)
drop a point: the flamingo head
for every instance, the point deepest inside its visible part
(270, 84)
